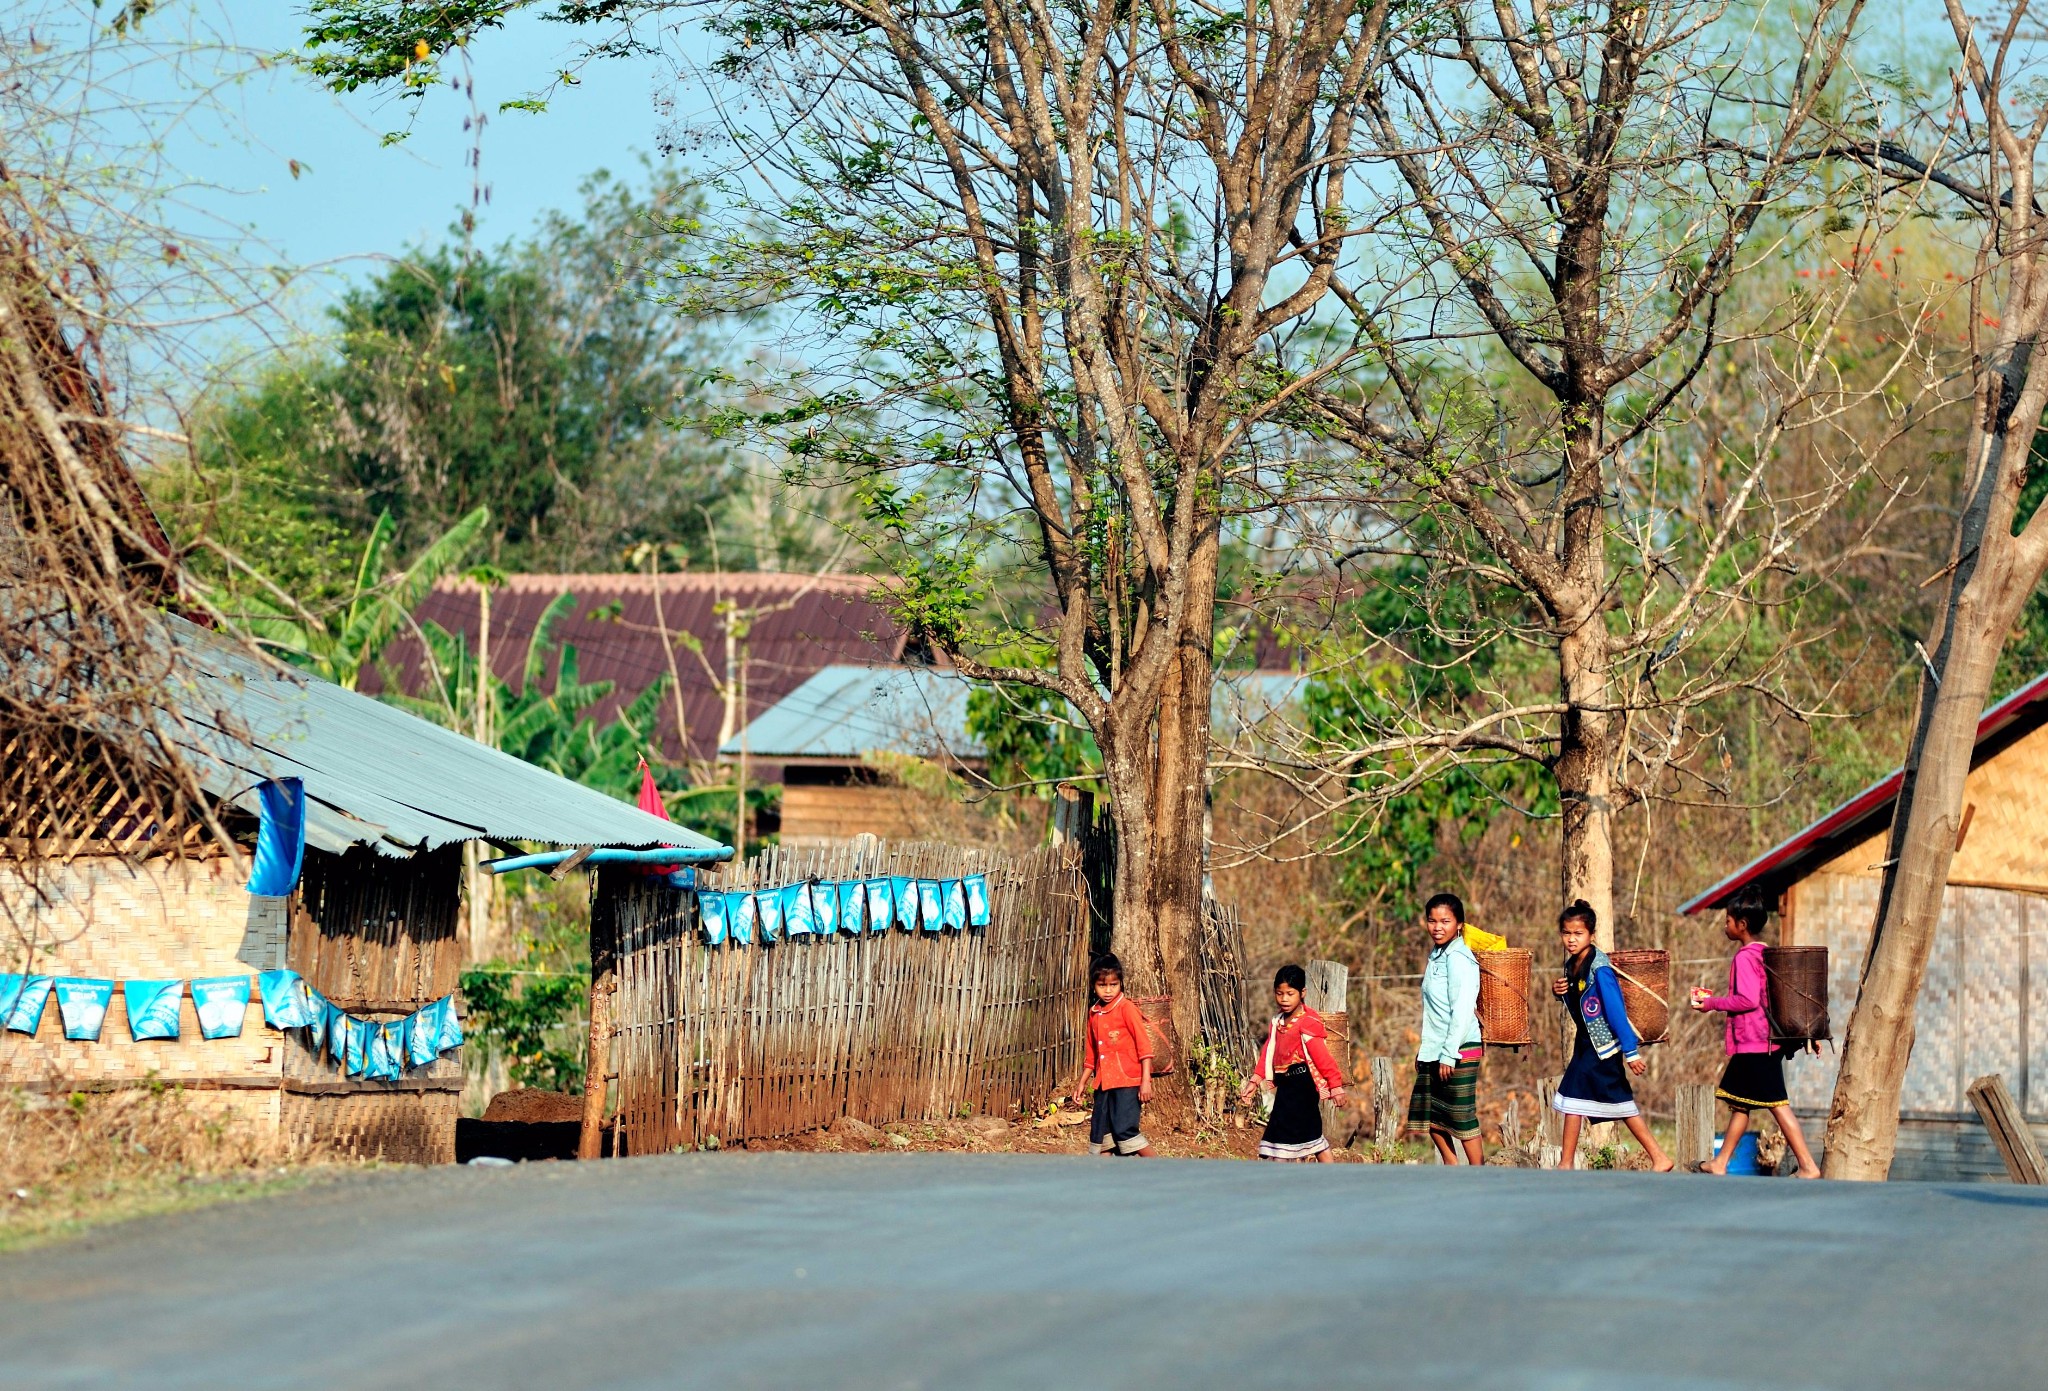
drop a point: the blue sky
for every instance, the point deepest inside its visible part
(357, 200)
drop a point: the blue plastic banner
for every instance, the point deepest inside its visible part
(954, 895)
(824, 907)
(798, 918)
(355, 1043)
(382, 1057)
(741, 912)
(152, 1007)
(423, 1036)
(222, 1003)
(287, 1000)
(977, 899)
(83, 1005)
(853, 902)
(931, 905)
(769, 906)
(881, 906)
(711, 917)
(903, 893)
(24, 998)
(320, 1033)
(451, 1026)
(280, 838)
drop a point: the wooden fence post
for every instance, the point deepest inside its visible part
(1386, 1112)
(604, 959)
(1695, 1124)
(2008, 1127)
(1549, 1125)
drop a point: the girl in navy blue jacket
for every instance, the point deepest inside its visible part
(1605, 1048)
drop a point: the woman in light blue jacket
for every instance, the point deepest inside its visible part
(1446, 1097)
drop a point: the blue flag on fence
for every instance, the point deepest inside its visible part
(451, 1026)
(853, 901)
(422, 1036)
(825, 908)
(798, 917)
(222, 1003)
(83, 1004)
(931, 904)
(355, 1043)
(769, 908)
(711, 914)
(903, 893)
(23, 998)
(954, 895)
(741, 913)
(881, 907)
(287, 1001)
(152, 1007)
(977, 899)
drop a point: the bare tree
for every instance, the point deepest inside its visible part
(1999, 555)
(1583, 189)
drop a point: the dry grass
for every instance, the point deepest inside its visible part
(82, 1159)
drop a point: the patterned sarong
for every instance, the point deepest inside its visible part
(1447, 1105)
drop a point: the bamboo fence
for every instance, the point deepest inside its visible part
(751, 1041)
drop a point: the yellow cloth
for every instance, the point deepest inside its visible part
(1484, 941)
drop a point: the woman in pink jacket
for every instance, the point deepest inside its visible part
(1754, 1079)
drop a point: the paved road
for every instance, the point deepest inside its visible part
(968, 1271)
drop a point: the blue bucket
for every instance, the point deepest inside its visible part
(1743, 1161)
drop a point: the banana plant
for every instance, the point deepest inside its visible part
(341, 644)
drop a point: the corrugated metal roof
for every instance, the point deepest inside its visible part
(1870, 810)
(375, 775)
(846, 711)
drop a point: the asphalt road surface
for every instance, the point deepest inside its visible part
(824, 1271)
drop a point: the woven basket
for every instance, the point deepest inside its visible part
(1504, 996)
(1797, 985)
(1645, 991)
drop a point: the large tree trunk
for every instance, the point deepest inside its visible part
(1990, 581)
(1585, 756)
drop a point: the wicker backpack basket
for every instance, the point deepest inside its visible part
(1645, 977)
(1504, 996)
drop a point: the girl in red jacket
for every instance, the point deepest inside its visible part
(1118, 1060)
(1296, 1062)
(1754, 1079)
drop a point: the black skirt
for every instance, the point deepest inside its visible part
(1295, 1129)
(1754, 1082)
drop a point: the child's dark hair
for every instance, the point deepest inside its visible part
(1105, 965)
(1579, 911)
(1751, 913)
(1290, 974)
(1450, 901)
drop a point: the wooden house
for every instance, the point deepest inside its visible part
(1983, 1008)
(372, 923)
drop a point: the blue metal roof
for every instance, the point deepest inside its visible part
(375, 775)
(847, 711)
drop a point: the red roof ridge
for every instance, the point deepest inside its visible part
(639, 582)
(1788, 852)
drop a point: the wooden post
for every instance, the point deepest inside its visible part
(1329, 988)
(1511, 1124)
(1549, 1125)
(2008, 1127)
(597, 1061)
(1386, 1106)
(1695, 1124)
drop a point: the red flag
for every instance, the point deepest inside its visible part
(650, 796)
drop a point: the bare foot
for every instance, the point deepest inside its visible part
(1808, 1172)
(1719, 1170)
(1666, 1167)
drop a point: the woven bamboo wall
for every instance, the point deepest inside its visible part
(751, 1041)
(163, 918)
(376, 936)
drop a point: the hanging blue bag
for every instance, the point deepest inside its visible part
(741, 914)
(83, 1005)
(422, 1037)
(977, 899)
(152, 1007)
(451, 1025)
(853, 902)
(711, 914)
(286, 999)
(280, 837)
(954, 894)
(24, 1000)
(768, 908)
(319, 1033)
(903, 893)
(881, 906)
(931, 904)
(355, 1043)
(222, 1003)
(798, 919)
(824, 908)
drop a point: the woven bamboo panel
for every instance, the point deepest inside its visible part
(1229, 1023)
(741, 1042)
(402, 1127)
(371, 927)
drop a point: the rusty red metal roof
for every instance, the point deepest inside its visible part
(802, 623)
(1870, 810)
